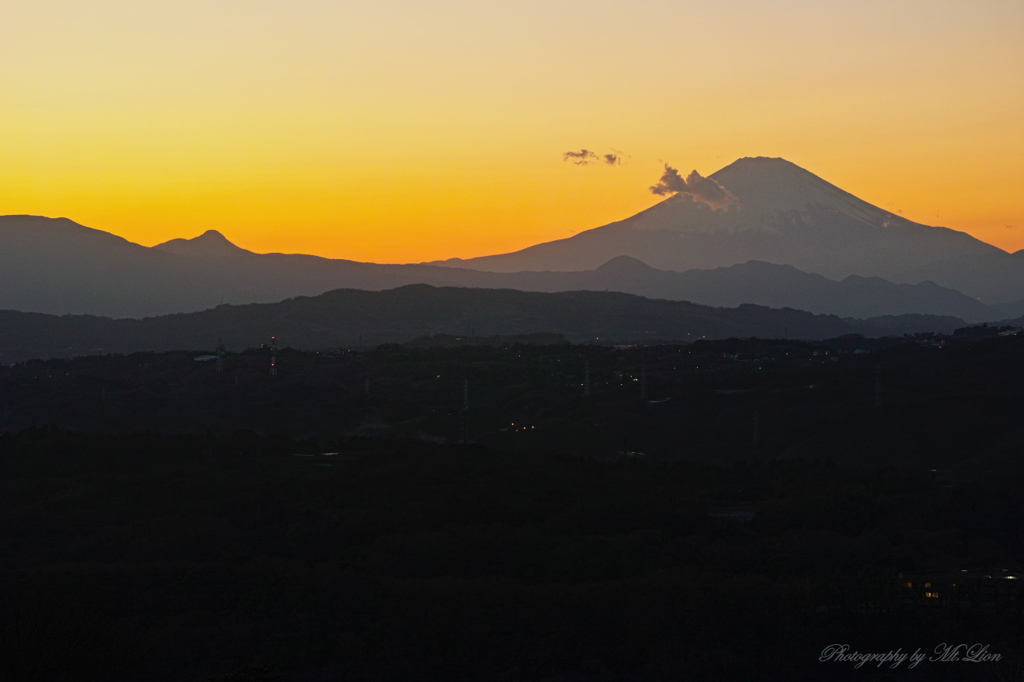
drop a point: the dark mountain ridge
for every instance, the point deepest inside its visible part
(57, 266)
(347, 318)
(210, 244)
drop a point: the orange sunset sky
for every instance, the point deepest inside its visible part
(396, 131)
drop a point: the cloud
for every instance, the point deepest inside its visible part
(583, 157)
(615, 158)
(696, 186)
(670, 183)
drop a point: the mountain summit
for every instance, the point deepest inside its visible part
(773, 185)
(782, 214)
(209, 243)
(765, 189)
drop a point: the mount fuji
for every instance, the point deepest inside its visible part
(785, 215)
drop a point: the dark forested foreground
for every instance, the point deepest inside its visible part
(326, 524)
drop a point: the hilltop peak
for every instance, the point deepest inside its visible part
(625, 264)
(767, 166)
(210, 235)
(209, 243)
(754, 165)
(770, 186)
(761, 161)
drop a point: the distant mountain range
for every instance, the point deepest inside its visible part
(114, 277)
(348, 317)
(786, 238)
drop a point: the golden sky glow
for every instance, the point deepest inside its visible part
(399, 131)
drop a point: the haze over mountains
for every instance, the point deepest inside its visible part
(789, 239)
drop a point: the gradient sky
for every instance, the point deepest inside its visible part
(399, 131)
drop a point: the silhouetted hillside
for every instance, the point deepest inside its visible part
(351, 318)
(60, 267)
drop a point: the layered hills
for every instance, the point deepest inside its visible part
(785, 238)
(75, 270)
(348, 317)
